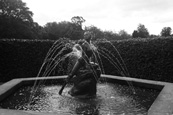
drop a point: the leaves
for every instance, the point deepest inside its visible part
(141, 32)
(16, 20)
(63, 29)
(166, 31)
(144, 58)
(16, 9)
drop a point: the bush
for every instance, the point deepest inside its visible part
(144, 58)
(21, 58)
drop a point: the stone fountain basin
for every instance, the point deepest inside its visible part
(163, 104)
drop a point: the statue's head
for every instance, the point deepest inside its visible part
(77, 47)
(88, 36)
(77, 50)
(83, 47)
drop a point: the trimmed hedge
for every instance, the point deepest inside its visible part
(149, 58)
(21, 58)
(145, 58)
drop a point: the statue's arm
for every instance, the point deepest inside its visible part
(93, 58)
(76, 67)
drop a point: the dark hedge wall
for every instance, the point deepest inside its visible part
(144, 58)
(21, 58)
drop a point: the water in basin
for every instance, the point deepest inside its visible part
(111, 99)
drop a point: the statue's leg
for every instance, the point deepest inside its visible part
(86, 87)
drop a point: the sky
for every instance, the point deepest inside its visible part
(107, 15)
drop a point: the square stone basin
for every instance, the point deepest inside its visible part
(162, 105)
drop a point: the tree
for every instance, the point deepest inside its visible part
(97, 33)
(78, 20)
(123, 34)
(16, 20)
(16, 9)
(110, 35)
(166, 31)
(37, 30)
(62, 29)
(135, 34)
(153, 36)
(52, 30)
(142, 31)
(77, 26)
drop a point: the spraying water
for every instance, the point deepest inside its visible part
(119, 64)
(62, 49)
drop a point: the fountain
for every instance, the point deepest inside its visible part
(115, 95)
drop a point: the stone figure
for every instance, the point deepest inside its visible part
(85, 72)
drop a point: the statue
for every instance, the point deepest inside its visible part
(85, 73)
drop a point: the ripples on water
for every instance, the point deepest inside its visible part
(111, 99)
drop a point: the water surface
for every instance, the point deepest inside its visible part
(111, 99)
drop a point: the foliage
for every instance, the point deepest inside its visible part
(78, 20)
(97, 33)
(16, 9)
(123, 34)
(109, 35)
(166, 31)
(141, 32)
(21, 58)
(77, 27)
(149, 58)
(135, 34)
(54, 31)
(16, 20)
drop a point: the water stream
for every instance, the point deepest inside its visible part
(56, 55)
(111, 98)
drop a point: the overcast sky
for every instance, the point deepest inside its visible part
(113, 15)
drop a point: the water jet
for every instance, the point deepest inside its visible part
(135, 93)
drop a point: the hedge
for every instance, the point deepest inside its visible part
(149, 58)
